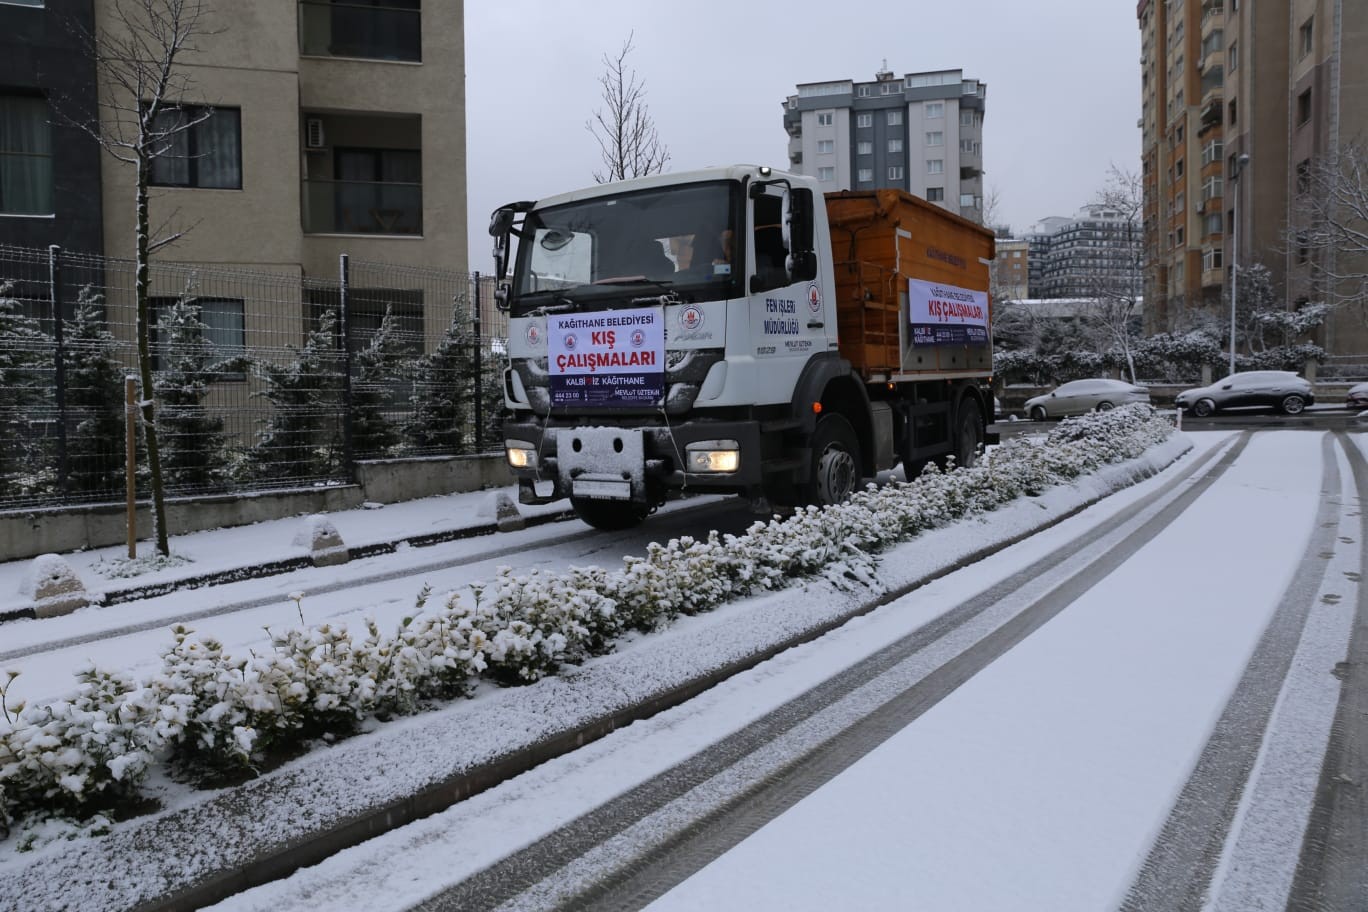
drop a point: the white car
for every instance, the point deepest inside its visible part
(1282, 390)
(1079, 396)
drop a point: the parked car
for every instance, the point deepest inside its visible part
(1357, 397)
(1282, 390)
(1079, 396)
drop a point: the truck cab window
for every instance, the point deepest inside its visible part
(770, 250)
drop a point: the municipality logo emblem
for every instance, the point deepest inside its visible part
(691, 317)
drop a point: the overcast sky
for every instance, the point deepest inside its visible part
(1063, 86)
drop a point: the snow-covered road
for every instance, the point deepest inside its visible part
(1150, 738)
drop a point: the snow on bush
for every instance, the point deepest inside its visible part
(212, 717)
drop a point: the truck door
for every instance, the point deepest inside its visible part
(788, 319)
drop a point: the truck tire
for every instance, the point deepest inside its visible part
(609, 515)
(969, 433)
(835, 471)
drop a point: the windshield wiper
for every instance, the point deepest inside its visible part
(634, 280)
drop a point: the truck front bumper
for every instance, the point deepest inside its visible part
(637, 462)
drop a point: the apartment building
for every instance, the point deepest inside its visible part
(50, 179)
(1237, 99)
(1095, 253)
(331, 127)
(919, 132)
(1011, 269)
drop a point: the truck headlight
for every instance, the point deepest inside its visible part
(715, 456)
(521, 454)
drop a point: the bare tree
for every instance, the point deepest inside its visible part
(624, 129)
(138, 57)
(1116, 292)
(1332, 231)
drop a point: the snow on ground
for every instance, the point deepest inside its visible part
(356, 773)
(1038, 785)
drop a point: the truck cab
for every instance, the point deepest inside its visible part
(679, 333)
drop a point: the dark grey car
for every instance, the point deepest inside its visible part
(1282, 390)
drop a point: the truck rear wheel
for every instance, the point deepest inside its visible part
(969, 436)
(609, 515)
(836, 463)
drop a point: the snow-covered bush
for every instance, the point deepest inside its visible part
(77, 757)
(214, 717)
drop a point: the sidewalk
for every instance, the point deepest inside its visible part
(267, 548)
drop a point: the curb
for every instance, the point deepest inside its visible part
(284, 565)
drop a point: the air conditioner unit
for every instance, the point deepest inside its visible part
(313, 133)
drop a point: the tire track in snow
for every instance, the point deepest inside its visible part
(1330, 870)
(638, 846)
(1178, 872)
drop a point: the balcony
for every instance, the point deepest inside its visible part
(379, 30)
(363, 207)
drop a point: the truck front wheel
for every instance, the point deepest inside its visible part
(835, 470)
(609, 515)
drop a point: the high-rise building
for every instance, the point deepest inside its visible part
(1238, 99)
(1095, 254)
(920, 132)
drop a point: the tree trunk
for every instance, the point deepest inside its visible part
(143, 289)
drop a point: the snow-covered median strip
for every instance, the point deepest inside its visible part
(521, 628)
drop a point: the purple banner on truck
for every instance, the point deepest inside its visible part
(943, 314)
(607, 359)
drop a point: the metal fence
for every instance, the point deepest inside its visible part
(261, 379)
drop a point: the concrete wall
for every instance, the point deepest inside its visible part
(27, 533)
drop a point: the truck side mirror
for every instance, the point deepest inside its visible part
(500, 224)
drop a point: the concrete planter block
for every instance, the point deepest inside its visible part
(54, 587)
(506, 515)
(318, 534)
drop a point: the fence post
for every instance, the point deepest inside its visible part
(479, 370)
(59, 362)
(130, 461)
(344, 317)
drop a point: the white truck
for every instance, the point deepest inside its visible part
(729, 331)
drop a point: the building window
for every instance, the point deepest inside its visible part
(1306, 36)
(378, 191)
(1213, 223)
(1178, 167)
(968, 201)
(1303, 175)
(969, 146)
(935, 166)
(864, 147)
(1180, 237)
(1304, 107)
(895, 145)
(864, 120)
(1233, 58)
(866, 175)
(824, 118)
(895, 173)
(895, 118)
(826, 174)
(826, 146)
(862, 91)
(936, 138)
(935, 109)
(25, 156)
(1232, 112)
(1212, 259)
(935, 194)
(205, 149)
(224, 329)
(366, 29)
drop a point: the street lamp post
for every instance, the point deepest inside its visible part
(1235, 252)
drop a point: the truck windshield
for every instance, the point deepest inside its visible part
(679, 239)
